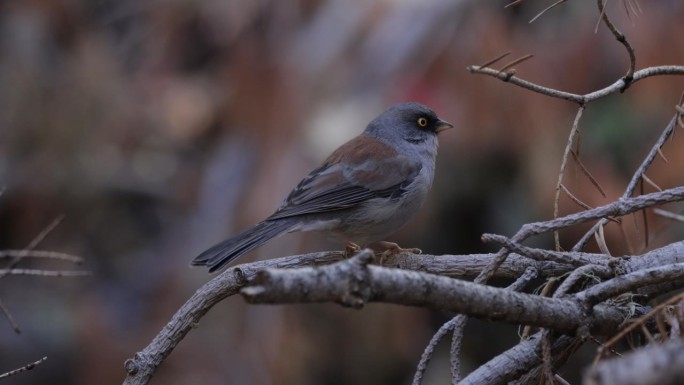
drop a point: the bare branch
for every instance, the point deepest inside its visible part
(430, 349)
(667, 133)
(9, 317)
(513, 362)
(34, 242)
(618, 86)
(353, 283)
(566, 258)
(24, 368)
(619, 208)
(469, 266)
(669, 215)
(46, 273)
(652, 365)
(142, 366)
(629, 282)
(586, 172)
(546, 9)
(41, 254)
(620, 37)
(561, 174)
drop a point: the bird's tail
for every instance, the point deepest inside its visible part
(223, 253)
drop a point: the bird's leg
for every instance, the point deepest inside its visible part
(392, 249)
(351, 249)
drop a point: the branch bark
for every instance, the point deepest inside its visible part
(142, 366)
(354, 283)
(652, 365)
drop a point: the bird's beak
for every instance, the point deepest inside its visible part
(442, 125)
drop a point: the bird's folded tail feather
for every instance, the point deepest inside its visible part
(223, 253)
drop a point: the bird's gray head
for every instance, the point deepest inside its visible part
(413, 122)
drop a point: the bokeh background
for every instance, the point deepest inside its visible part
(157, 128)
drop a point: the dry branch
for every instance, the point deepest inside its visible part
(142, 366)
(354, 283)
(577, 98)
(652, 365)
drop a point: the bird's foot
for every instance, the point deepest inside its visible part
(351, 249)
(392, 249)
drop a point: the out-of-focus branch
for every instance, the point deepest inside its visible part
(22, 369)
(652, 365)
(45, 273)
(42, 254)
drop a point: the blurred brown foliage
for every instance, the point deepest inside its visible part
(158, 128)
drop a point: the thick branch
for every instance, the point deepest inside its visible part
(514, 362)
(470, 265)
(653, 365)
(353, 283)
(626, 283)
(142, 366)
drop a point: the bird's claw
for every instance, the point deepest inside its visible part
(351, 249)
(392, 249)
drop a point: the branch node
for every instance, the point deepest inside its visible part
(627, 82)
(240, 276)
(359, 289)
(619, 265)
(131, 365)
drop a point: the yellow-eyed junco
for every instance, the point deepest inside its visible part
(364, 191)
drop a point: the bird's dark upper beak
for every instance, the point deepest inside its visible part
(442, 125)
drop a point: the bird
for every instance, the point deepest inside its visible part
(363, 192)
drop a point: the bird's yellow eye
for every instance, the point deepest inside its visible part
(422, 122)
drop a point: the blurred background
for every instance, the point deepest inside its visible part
(157, 128)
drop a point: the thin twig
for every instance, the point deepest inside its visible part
(546, 9)
(650, 182)
(574, 199)
(34, 242)
(608, 345)
(46, 273)
(669, 215)
(618, 86)
(631, 187)
(586, 172)
(24, 368)
(516, 61)
(430, 349)
(620, 37)
(41, 254)
(9, 317)
(547, 364)
(564, 162)
(496, 59)
(455, 323)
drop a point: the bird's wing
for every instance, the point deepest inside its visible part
(360, 170)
